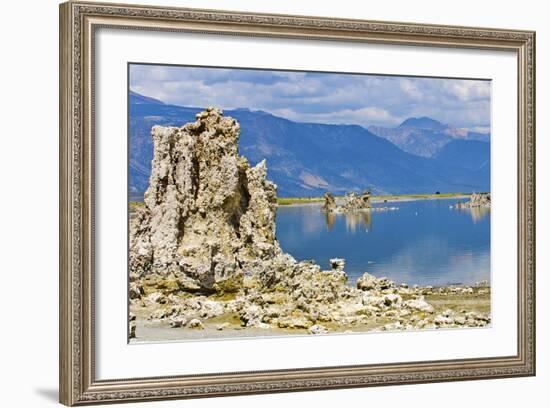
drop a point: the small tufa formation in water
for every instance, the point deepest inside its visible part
(337, 264)
(352, 202)
(330, 203)
(355, 202)
(477, 200)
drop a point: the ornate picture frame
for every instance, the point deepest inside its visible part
(79, 22)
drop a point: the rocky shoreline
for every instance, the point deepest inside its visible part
(204, 254)
(375, 304)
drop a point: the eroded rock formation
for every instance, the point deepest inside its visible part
(330, 203)
(207, 212)
(352, 202)
(355, 202)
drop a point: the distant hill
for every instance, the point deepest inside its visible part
(425, 136)
(306, 159)
(423, 123)
(470, 155)
(136, 99)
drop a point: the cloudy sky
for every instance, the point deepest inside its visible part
(320, 97)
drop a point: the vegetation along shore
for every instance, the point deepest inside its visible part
(374, 198)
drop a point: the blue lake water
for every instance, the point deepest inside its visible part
(424, 242)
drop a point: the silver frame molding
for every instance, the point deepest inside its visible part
(78, 22)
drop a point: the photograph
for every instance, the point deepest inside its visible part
(266, 203)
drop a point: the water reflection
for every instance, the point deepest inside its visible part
(312, 219)
(330, 217)
(478, 213)
(358, 219)
(424, 242)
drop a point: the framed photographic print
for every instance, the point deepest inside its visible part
(258, 203)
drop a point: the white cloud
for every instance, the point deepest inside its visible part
(318, 97)
(480, 129)
(410, 88)
(467, 91)
(365, 116)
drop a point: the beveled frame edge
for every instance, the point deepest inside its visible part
(78, 20)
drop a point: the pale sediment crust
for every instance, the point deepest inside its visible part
(383, 307)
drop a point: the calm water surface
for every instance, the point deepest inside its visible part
(424, 242)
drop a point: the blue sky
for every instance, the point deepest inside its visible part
(320, 97)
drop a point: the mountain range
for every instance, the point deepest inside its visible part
(308, 159)
(425, 136)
